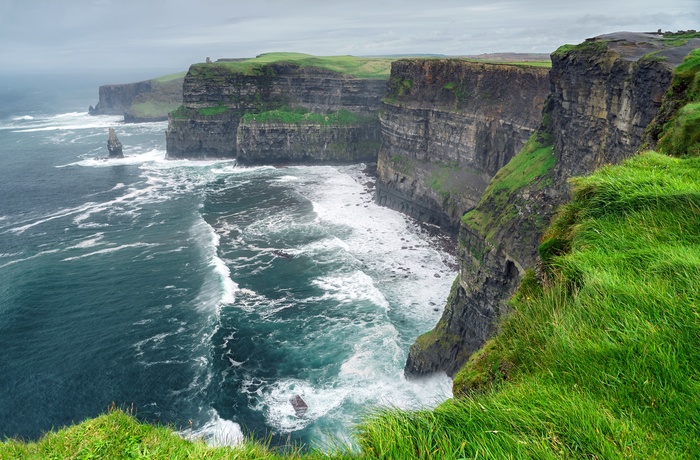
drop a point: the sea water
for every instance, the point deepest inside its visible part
(201, 293)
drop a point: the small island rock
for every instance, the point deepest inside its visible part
(114, 146)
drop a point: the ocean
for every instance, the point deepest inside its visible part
(202, 294)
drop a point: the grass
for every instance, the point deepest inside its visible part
(602, 362)
(530, 165)
(546, 64)
(302, 116)
(171, 77)
(152, 108)
(118, 435)
(212, 111)
(681, 134)
(376, 68)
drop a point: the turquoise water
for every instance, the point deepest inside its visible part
(203, 293)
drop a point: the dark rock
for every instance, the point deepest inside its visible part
(195, 134)
(448, 126)
(300, 407)
(114, 146)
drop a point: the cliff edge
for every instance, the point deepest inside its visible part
(448, 125)
(603, 94)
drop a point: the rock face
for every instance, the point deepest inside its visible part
(113, 145)
(142, 101)
(447, 127)
(209, 124)
(603, 94)
(277, 143)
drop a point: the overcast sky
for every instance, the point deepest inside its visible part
(43, 35)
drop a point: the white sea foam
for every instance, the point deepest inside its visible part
(22, 118)
(72, 121)
(351, 288)
(221, 290)
(111, 250)
(216, 432)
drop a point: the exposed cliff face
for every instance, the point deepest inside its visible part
(603, 94)
(216, 97)
(276, 143)
(149, 100)
(116, 99)
(448, 126)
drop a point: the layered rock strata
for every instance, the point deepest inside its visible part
(215, 99)
(143, 101)
(603, 94)
(447, 127)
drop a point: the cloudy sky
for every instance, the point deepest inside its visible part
(40, 35)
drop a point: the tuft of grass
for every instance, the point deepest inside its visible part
(118, 435)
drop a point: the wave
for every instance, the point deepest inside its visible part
(151, 156)
(23, 118)
(111, 250)
(220, 289)
(216, 432)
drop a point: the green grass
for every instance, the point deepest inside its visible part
(171, 77)
(546, 64)
(118, 435)
(681, 135)
(378, 68)
(603, 362)
(212, 111)
(152, 108)
(302, 116)
(530, 165)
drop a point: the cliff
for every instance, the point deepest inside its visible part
(447, 127)
(603, 94)
(148, 100)
(294, 106)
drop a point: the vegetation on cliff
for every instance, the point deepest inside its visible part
(302, 116)
(348, 65)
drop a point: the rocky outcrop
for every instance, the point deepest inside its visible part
(216, 97)
(447, 127)
(279, 143)
(143, 101)
(114, 146)
(603, 94)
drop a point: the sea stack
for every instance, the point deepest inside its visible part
(114, 146)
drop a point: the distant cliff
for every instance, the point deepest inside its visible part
(148, 100)
(288, 98)
(603, 94)
(448, 126)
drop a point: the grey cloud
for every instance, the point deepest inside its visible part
(175, 33)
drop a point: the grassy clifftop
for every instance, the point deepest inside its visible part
(377, 68)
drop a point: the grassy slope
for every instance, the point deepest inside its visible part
(378, 68)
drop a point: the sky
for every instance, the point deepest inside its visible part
(68, 35)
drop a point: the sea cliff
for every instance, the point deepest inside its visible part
(448, 125)
(287, 98)
(142, 101)
(603, 94)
